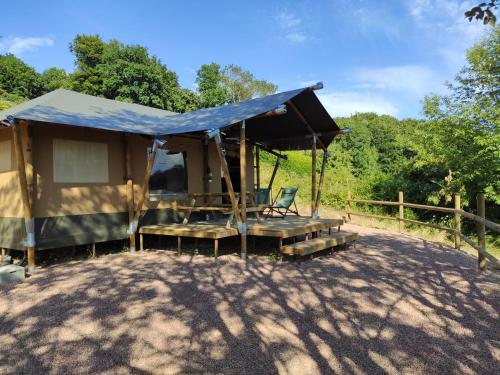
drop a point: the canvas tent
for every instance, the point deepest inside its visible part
(86, 159)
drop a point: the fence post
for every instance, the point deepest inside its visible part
(481, 231)
(458, 225)
(349, 197)
(401, 212)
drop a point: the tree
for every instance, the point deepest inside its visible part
(211, 89)
(18, 78)
(127, 73)
(54, 78)
(483, 12)
(466, 124)
(242, 85)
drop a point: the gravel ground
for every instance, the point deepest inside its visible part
(395, 304)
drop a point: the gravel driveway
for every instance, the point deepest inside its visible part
(395, 304)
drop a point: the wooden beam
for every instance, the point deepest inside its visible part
(129, 187)
(401, 212)
(144, 191)
(227, 177)
(320, 185)
(275, 170)
(23, 186)
(458, 224)
(304, 121)
(313, 176)
(243, 188)
(481, 231)
(206, 167)
(257, 166)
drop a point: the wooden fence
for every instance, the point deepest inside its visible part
(480, 219)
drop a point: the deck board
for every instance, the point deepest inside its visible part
(272, 227)
(321, 243)
(194, 230)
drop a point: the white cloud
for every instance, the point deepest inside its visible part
(291, 25)
(18, 45)
(412, 79)
(447, 31)
(347, 103)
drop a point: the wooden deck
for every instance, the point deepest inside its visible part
(321, 243)
(271, 227)
(291, 226)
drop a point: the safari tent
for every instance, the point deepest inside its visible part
(77, 169)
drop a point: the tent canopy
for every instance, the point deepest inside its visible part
(282, 132)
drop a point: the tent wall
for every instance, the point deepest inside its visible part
(69, 214)
(12, 229)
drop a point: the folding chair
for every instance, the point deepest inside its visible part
(283, 201)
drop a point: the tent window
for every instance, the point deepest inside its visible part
(80, 162)
(5, 156)
(169, 174)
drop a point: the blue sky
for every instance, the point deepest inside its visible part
(381, 56)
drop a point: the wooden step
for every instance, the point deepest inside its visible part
(321, 243)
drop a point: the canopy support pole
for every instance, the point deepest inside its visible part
(321, 179)
(313, 177)
(206, 168)
(243, 190)
(130, 188)
(25, 196)
(145, 188)
(275, 170)
(304, 121)
(257, 166)
(215, 134)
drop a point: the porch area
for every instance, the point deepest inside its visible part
(303, 235)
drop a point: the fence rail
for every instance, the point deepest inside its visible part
(481, 222)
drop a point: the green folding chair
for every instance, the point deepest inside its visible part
(263, 197)
(283, 202)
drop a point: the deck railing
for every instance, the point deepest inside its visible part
(480, 219)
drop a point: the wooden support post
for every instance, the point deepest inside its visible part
(243, 189)
(349, 197)
(304, 121)
(3, 255)
(275, 170)
(23, 186)
(130, 188)
(313, 176)
(481, 230)
(257, 166)
(458, 224)
(227, 177)
(321, 179)
(216, 248)
(93, 250)
(206, 168)
(141, 242)
(144, 191)
(179, 245)
(401, 212)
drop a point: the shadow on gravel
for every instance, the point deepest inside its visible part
(392, 305)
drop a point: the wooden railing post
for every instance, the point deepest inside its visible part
(401, 212)
(349, 197)
(481, 230)
(458, 224)
(313, 176)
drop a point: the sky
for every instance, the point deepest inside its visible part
(377, 56)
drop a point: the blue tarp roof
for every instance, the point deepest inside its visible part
(74, 109)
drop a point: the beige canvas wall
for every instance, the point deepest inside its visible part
(57, 199)
(10, 196)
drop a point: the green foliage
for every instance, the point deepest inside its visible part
(126, 73)
(242, 85)
(8, 100)
(18, 78)
(211, 89)
(54, 78)
(483, 12)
